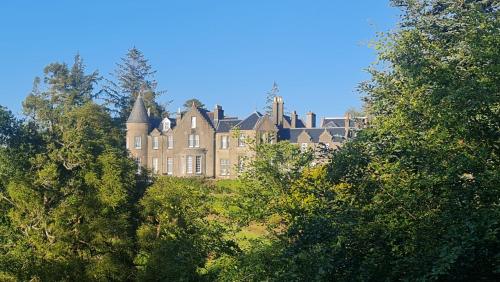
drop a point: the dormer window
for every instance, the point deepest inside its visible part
(165, 125)
(193, 122)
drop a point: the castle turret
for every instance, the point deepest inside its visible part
(137, 132)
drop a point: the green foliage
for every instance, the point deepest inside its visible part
(66, 211)
(133, 76)
(179, 235)
(268, 108)
(189, 103)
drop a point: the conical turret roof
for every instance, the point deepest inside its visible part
(138, 113)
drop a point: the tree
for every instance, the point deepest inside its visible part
(68, 216)
(268, 108)
(177, 237)
(424, 178)
(189, 103)
(132, 76)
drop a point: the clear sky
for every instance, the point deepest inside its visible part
(226, 52)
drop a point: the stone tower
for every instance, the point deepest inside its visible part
(137, 132)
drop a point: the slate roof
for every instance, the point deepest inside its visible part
(337, 122)
(333, 122)
(249, 122)
(225, 125)
(209, 116)
(300, 123)
(138, 113)
(292, 134)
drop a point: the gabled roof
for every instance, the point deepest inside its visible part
(138, 113)
(292, 134)
(209, 116)
(225, 125)
(333, 122)
(249, 122)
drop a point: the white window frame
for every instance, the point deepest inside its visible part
(137, 142)
(241, 140)
(189, 165)
(156, 142)
(170, 166)
(224, 167)
(166, 125)
(191, 141)
(197, 164)
(170, 141)
(224, 142)
(155, 165)
(194, 141)
(193, 122)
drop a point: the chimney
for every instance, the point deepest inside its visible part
(347, 120)
(294, 120)
(310, 120)
(218, 113)
(278, 110)
(178, 116)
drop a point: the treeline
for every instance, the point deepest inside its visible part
(415, 196)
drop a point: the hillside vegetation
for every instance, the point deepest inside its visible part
(415, 197)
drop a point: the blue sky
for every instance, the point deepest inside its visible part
(225, 52)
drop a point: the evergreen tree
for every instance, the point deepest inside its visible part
(268, 108)
(189, 103)
(68, 217)
(133, 75)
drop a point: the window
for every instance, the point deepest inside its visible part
(224, 167)
(224, 142)
(137, 142)
(241, 140)
(155, 143)
(194, 141)
(166, 124)
(193, 122)
(155, 165)
(189, 164)
(303, 146)
(197, 164)
(197, 141)
(191, 141)
(170, 166)
(170, 142)
(126, 143)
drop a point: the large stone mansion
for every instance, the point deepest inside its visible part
(209, 144)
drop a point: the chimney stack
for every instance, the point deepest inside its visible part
(310, 120)
(278, 110)
(218, 113)
(178, 116)
(294, 120)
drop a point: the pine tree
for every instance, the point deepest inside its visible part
(268, 108)
(133, 75)
(68, 216)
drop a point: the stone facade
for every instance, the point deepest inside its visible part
(210, 144)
